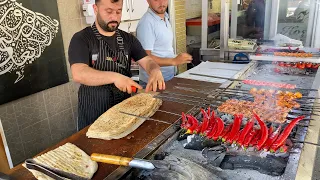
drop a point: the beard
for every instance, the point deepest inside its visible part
(161, 10)
(106, 25)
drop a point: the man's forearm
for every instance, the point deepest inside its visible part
(151, 66)
(163, 61)
(91, 77)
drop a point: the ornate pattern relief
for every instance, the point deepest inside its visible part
(24, 35)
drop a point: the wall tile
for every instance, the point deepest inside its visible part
(30, 110)
(16, 148)
(62, 125)
(8, 119)
(36, 138)
(57, 99)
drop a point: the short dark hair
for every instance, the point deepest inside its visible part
(113, 1)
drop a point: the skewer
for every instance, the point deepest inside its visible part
(232, 79)
(305, 142)
(169, 112)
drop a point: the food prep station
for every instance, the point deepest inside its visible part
(209, 85)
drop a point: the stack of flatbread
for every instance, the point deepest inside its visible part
(68, 158)
(114, 125)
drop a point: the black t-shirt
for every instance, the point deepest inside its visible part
(80, 50)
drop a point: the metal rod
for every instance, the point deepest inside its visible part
(232, 79)
(146, 118)
(169, 112)
(305, 142)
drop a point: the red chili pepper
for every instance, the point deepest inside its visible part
(211, 127)
(256, 138)
(294, 65)
(245, 131)
(308, 65)
(287, 64)
(270, 130)
(205, 124)
(264, 132)
(315, 66)
(194, 124)
(204, 113)
(284, 135)
(209, 112)
(220, 128)
(301, 65)
(198, 129)
(184, 121)
(249, 137)
(225, 132)
(272, 137)
(237, 137)
(235, 127)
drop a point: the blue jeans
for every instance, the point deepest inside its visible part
(143, 84)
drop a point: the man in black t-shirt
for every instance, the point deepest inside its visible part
(100, 58)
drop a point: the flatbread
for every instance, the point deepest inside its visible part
(68, 158)
(114, 125)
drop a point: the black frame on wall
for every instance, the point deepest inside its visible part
(32, 56)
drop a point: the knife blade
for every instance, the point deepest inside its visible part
(146, 118)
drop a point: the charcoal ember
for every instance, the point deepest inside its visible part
(215, 155)
(270, 165)
(197, 142)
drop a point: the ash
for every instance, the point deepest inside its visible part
(177, 149)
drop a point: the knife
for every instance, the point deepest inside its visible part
(131, 162)
(51, 172)
(146, 118)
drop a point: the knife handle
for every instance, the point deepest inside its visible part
(134, 89)
(111, 159)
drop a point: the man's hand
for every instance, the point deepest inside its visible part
(124, 83)
(182, 58)
(155, 81)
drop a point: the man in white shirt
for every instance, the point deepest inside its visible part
(154, 32)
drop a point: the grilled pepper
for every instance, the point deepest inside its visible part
(225, 132)
(256, 138)
(264, 132)
(308, 65)
(272, 137)
(270, 130)
(205, 124)
(210, 128)
(194, 124)
(184, 121)
(245, 131)
(284, 135)
(235, 128)
(220, 128)
(235, 140)
(249, 137)
(204, 113)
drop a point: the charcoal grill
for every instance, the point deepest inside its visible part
(309, 108)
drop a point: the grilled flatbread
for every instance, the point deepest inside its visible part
(68, 158)
(114, 125)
